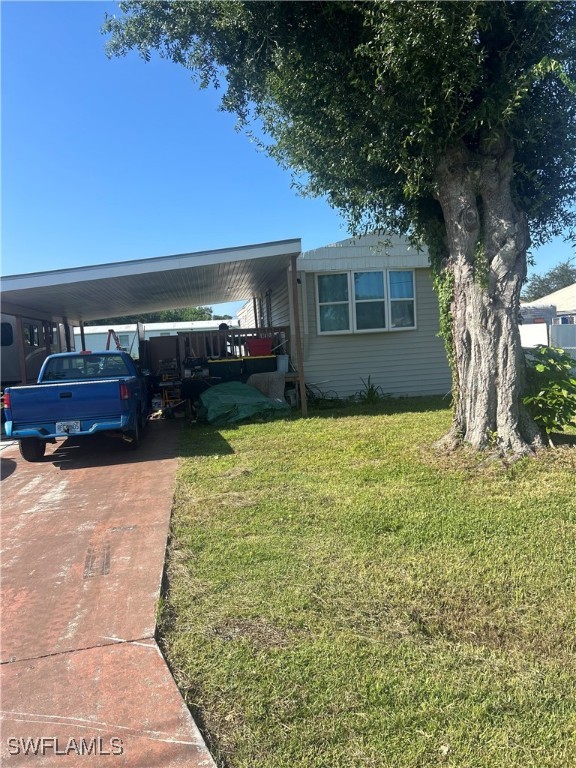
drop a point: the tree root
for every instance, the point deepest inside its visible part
(511, 450)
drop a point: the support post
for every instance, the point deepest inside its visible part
(46, 326)
(298, 336)
(82, 336)
(21, 351)
(67, 335)
(255, 310)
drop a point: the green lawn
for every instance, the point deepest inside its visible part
(339, 596)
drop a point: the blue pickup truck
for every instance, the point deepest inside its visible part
(78, 394)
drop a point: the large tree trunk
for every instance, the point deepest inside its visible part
(487, 238)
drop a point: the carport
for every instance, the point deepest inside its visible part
(75, 296)
(84, 535)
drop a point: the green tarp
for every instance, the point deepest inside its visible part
(234, 402)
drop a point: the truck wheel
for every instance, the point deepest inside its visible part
(32, 448)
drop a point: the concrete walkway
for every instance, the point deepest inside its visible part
(83, 541)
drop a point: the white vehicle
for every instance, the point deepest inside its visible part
(41, 338)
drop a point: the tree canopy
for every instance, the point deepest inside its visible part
(362, 99)
(560, 276)
(451, 122)
(165, 316)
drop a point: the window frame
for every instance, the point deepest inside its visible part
(320, 304)
(352, 302)
(32, 335)
(390, 301)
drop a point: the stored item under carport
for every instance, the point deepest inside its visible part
(261, 364)
(235, 402)
(259, 347)
(227, 369)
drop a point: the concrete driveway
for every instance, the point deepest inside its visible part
(83, 541)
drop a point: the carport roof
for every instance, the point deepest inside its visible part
(147, 285)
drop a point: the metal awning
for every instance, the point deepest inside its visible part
(146, 285)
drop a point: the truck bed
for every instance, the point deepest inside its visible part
(44, 410)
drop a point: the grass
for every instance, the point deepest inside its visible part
(340, 596)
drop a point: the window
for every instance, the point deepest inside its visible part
(85, 366)
(31, 334)
(369, 301)
(402, 309)
(364, 302)
(7, 334)
(333, 303)
(53, 335)
(124, 339)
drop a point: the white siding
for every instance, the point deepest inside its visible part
(401, 362)
(97, 336)
(280, 302)
(245, 315)
(372, 251)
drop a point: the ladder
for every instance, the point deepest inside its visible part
(113, 335)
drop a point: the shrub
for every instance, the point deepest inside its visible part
(371, 393)
(551, 387)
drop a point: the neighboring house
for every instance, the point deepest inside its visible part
(557, 308)
(564, 300)
(368, 312)
(551, 320)
(97, 335)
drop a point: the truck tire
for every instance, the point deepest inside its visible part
(32, 448)
(133, 436)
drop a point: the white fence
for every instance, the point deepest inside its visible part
(563, 336)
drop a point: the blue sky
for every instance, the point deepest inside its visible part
(108, 160)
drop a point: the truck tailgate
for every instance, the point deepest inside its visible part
(60, 402)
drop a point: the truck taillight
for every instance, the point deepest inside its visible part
(6, 399)
(124, 391)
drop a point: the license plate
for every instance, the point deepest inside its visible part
(67, 427)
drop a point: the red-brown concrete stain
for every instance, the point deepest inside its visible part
(83, 542)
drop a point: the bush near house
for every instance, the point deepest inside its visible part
(551, 388)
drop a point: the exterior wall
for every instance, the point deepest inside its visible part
(368, 252)
(275, 303)
(245, 315)
(280, 303)
(537, 313)
(411, 362)
(96, 337)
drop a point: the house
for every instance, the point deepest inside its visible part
(356, 310)
(564, 300)
(551, 320)
(367, 312)
(40, 309)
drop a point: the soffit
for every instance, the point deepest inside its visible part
(146, 285)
